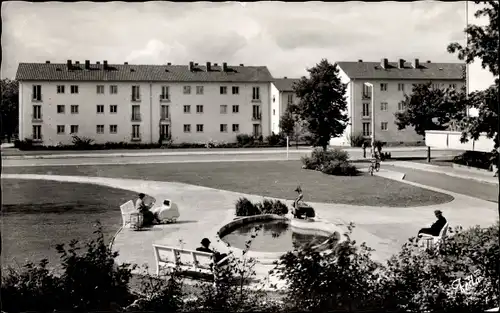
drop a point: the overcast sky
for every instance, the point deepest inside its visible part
(286, 37)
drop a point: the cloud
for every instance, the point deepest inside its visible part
(286, 37)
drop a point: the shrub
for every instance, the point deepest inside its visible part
(245, 207)
(357, 140)
(26, 144)
(272, 207)
(276, 140)
(81, 142)
(343, 279)
(340, 168)
(331, 162)
(244, 139)
(475, 159)
(90, 281)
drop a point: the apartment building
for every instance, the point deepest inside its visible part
(142, 103)
(282, 97)
(391, 81)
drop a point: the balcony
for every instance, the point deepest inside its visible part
(164, 98)
(256, 117)
(135, 98)
(366, 96)
(136, 118)
(36, 119)
(135, 137)
(37, 98)
(165, 118)
(256, 100)
(366, 116)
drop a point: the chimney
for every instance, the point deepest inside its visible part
(196, 64)
(242, 64)
(428, 61)
(224, 67)
(384, 63)
(401, 63)
(126, 63)
(169, 63)
(69, 64)
(97, 62)
(47, 62)
(105, 63)
(87, 64)
(360, 61)
(77, 62)
(215, 64)
(209, 66)
(416, 64)
(285, 77)
(191, 64)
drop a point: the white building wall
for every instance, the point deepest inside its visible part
(87, 118)
(392, 97)
(275, 109)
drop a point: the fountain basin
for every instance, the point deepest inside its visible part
(276, 235)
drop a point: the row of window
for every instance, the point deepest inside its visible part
(384, 106)
(136, 93)
(367, 130)
(113, 129)
(401, 87)
(165, 110)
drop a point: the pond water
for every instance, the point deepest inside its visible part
(271, 236)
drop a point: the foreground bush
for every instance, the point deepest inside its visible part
(245, 207)
(331, 162)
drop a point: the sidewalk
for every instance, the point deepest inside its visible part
(58, 154)
(446, 170)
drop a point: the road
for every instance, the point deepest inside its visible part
(195, 157)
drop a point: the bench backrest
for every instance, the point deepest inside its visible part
(443, 231)
(128, 207)
(173, 255)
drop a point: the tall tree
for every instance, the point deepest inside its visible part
(483, 43)
(322, 103)
(9, 109)
(288, 123)
(428, 108)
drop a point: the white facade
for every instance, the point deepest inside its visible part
(210, 114)
(386, 103)
(281, 100)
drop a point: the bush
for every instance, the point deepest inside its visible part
(272, 207)
(245, 207)
(331, 162)
(26, 144)
(276, 140)
(82, 142)
(90, 281)
(477, 159)
(357, 140)
(244, 139)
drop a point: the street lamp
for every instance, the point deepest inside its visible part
(373, 113)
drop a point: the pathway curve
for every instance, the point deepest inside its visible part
(204, 210)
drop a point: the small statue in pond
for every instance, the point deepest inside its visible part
(300, 208)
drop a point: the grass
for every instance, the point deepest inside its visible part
(38, 214)
(266, 178)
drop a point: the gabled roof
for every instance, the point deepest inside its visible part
(132, 72)
(374, 70)
(285, 84)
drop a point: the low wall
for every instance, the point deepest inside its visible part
(451, 140)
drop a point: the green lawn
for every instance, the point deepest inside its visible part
(37, 215)
(266, 178)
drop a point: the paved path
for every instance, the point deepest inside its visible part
(205, 210)
(184, 157)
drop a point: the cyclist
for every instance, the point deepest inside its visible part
(375, 159)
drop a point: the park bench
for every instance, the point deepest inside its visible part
(429, 241)
(187, 261)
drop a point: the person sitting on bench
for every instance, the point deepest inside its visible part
(205, 247)
(148, 216)
(436, 227)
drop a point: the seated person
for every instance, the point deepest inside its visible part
(148, 216)
(167, 211)
(205, 247)
(435, 228)
(300, 208)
